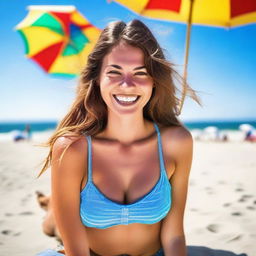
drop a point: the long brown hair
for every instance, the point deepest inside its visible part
(88, 113)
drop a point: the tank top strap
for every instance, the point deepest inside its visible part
(160, 151)
(89, 158)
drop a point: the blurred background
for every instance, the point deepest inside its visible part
(221, 68)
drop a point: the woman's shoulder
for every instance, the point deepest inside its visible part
(69, 157)
(69, 145)
(177, 139)
(75, 142)
(177, 133)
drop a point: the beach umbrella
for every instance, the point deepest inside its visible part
(246, 127)
(211, 132)
(211, 129)
(57, 38)
(217, 13)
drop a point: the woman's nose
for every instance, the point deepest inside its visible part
(127, 81)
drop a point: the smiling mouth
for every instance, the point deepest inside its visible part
(126, 100)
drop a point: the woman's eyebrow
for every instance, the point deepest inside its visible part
(119, 67)
(141, 67)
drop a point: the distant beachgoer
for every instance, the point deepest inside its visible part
(250, 136)
(224, 137)
(23, 135)
(249, 132)
(28, 131)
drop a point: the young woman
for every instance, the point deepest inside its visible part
(120, 159)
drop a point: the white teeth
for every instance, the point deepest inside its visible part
(128, 99)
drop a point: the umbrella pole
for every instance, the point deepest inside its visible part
(184, 87)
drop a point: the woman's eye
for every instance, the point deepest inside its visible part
(114, 72)
(141, 74)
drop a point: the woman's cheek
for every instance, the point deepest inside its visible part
(143, 81)
(115, 79)
(111, 80)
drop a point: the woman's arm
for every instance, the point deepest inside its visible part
(172, 233)
(66, 178)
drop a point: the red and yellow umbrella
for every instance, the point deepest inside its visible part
(58, 38)
(221, 13)
(218, 13)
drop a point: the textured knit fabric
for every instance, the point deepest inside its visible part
(98, 211)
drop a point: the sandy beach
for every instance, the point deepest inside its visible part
(220, 211)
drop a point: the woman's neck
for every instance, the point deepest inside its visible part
(126, 130)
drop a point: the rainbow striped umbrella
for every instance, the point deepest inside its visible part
(57, 38)
(218, 13)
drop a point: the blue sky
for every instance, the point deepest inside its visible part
(222, 65)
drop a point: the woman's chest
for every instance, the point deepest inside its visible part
(125, 174)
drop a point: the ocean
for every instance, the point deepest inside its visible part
(6, 127)
(34, 126)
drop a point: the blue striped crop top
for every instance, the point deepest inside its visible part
(98, 211)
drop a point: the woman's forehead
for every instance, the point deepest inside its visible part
(123, 55)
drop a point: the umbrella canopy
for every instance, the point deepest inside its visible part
(246, 127)
(211, 129)
(58, 38)
(220, 13)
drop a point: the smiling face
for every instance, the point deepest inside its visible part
(125, 85)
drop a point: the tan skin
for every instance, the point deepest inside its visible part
(126, 178)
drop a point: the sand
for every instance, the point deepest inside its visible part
(220, 211)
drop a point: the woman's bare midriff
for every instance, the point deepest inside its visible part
(124, 240)
(143, 168)
(134, 239)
